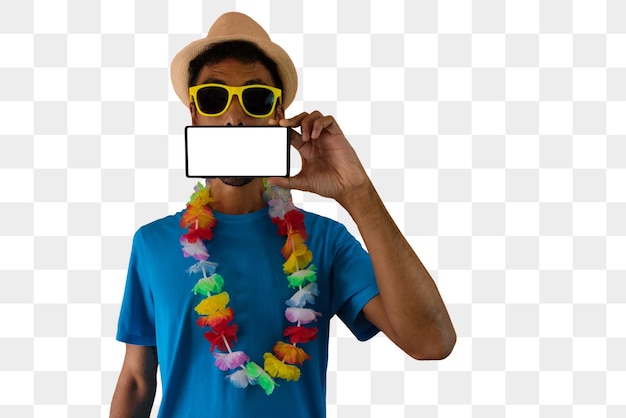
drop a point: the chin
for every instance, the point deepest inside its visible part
(236, 181)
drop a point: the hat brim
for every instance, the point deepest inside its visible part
(286, 70)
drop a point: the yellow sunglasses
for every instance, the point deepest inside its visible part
(257, 100)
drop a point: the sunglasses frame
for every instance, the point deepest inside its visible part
(232, 91)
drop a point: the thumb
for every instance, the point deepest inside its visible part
(295, 182)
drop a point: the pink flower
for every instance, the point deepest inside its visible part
(226, 361)
(278, 208)
(301, 315)
(196, 249)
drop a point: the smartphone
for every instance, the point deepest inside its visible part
(237, 151)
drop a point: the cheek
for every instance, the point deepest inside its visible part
(201, 120)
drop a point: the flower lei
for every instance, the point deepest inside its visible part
(214, 311)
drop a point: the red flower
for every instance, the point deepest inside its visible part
(292, 223)
(195, 234)
(300, 334)
(216, 338)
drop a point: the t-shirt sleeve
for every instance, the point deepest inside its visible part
(354, 284)
(136, 320)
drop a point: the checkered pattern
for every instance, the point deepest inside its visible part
(494, 130)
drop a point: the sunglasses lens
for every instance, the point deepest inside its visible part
(258, 100)
(212, 100)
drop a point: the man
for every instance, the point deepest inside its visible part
(233, 347)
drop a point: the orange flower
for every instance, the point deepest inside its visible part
(197, 214)
(293, 242)
(218, 319)
(290, 353)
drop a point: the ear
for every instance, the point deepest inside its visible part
(280, 112)
(194, 114)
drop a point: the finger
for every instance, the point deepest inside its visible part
(278, 181)
(305, 121)
(294, 121)
(325, 122)
(320, 124)
(295, 138)
(295, 182)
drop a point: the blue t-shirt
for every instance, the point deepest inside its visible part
(158, 310)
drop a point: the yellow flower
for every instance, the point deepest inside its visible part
(212, 304)
(299, 259)
(201, 198)
(277, 368)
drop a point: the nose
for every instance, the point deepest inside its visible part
(234, 116)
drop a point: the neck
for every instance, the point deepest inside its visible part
(233, 200)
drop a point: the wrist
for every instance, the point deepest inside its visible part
(360, 201)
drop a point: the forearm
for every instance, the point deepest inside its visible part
(132, 398)
(417, 318)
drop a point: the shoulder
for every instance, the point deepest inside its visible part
(157, 239)
(160, 228)
(164, 222)
(320, 221)
(323, 226)
(329, 231)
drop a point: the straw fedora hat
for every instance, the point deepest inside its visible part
(234, 26)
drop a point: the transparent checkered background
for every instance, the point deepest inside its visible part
(495, 131)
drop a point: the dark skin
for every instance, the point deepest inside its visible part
(409, 308)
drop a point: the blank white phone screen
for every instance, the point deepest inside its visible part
(237, 151)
